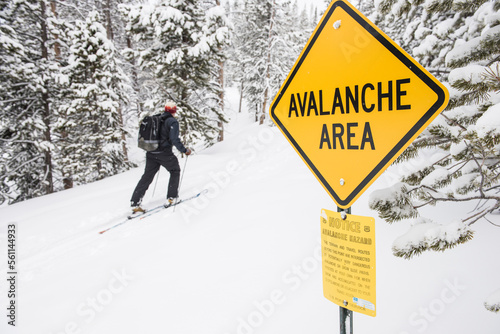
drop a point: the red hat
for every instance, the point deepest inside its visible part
(171, 107)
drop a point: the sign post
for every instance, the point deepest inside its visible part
(345, 315)
(352, 103)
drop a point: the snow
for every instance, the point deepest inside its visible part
(438, 175)
(425, 233)
(462, 49)
(244, 259)
(472, 73)
(442, 29)
(489, 122)
(457, 148)
(428, 44)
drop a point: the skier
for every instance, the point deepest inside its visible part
(163, 156)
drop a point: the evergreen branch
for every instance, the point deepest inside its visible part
(494, 186)
(494, 60)
(473, 93)
(492, 307)
(18, 141)
(439, 246)
(19, 99)
(426, 235)
(422, 205)
(492, 223)
(452, 121)
(472, 198)
(474, 218)
(480, 166)
(21, 166)
(468, 6)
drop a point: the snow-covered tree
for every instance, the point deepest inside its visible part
(217, 23)
(426, 35)
(457, 158)
(234, 70)
(28, 69)
(271, 40)
(177, 43)
(90, 126)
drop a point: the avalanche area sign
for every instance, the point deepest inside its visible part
(353, 102)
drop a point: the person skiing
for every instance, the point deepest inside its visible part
(162, 156)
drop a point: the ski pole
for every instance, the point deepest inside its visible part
(157, 177)
(182, 175)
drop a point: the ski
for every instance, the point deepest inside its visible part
(154, 210)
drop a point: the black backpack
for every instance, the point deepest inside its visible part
(149, 132)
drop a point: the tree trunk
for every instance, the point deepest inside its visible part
(220, 137)
(268, 66)
(135, 80)
(220, 123)
(48, 178)
(109, 26)
(124, 137)
(241, 96)
(57, 47)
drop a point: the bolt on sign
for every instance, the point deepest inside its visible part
(348, 253)
(353, 102)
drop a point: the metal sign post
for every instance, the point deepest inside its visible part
(345, 315)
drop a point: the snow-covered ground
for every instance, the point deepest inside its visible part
(243, 259)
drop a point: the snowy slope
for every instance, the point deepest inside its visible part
(243, 259)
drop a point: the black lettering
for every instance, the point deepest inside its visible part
(337, 135)
(312, 105)
(367, 137)
(387, 95)
(321, 112)
(350, 135)
(325, 138)
(400, 93)
(352, 99)
(302, 105)
(337, 102)
(293, 107)
(363, 98)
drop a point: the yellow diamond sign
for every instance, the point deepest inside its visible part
(353, 102)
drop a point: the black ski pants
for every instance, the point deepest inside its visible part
(153, 162)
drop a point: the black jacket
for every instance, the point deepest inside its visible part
(170, 134)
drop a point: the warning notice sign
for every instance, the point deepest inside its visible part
(348, 253)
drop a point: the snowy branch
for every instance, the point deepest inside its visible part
(492, 303)
(427, 235)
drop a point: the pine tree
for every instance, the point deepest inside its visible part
(270, 41)
(217, 25)
(457, 159)
(177, 46)
(91, 127)
(426, 36)
(255, 41)
(28, 70)
(234, 65)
